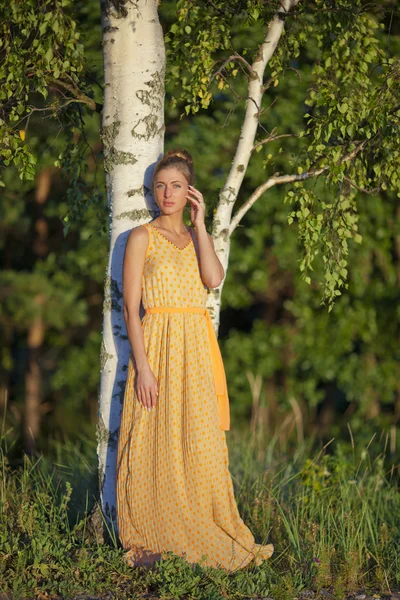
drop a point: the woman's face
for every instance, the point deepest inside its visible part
(170, 188)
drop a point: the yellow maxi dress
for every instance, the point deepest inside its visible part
(174, 488)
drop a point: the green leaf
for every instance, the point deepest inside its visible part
(49, 54)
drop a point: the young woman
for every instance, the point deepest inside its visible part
(174, 489)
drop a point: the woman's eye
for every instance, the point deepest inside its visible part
(160, 185)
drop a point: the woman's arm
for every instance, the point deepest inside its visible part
(211, 269)
(135, 253)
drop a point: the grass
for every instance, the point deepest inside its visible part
(332, 514)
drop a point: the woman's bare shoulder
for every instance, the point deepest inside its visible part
(138, 237)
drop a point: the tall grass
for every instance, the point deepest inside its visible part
(332, 514)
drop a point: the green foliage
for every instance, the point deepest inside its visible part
(83, 190)
(347, 358)
(332, 518)
(196, 43)
(47, 277)
(61, 289)
(25, 296)
(40, 547)
(351, 135)
(46, 77)
(40, 47)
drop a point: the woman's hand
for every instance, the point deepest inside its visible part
(146, 388)
(198, 208)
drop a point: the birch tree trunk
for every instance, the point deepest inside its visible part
(133, 140)
(222, 226)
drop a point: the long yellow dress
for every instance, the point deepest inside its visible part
(174, 488)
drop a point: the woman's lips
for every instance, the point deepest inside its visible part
(169, 203)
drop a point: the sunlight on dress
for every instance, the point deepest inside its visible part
(174, 488)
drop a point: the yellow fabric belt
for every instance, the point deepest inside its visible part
(216, 359)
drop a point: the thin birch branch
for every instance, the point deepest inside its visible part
(272, 138)
(231, 58)
(92, 104)
(279, 180)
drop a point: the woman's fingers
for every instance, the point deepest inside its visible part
(147, 392)
(141, 396)
(148, 398)
(154, 396)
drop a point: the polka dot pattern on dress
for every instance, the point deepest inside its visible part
(174, 488)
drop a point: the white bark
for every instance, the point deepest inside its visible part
(133, 139)
(230, 191)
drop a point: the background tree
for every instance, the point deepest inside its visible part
(320, 58)
(51, 284)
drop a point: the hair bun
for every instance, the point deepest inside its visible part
(179, 153)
